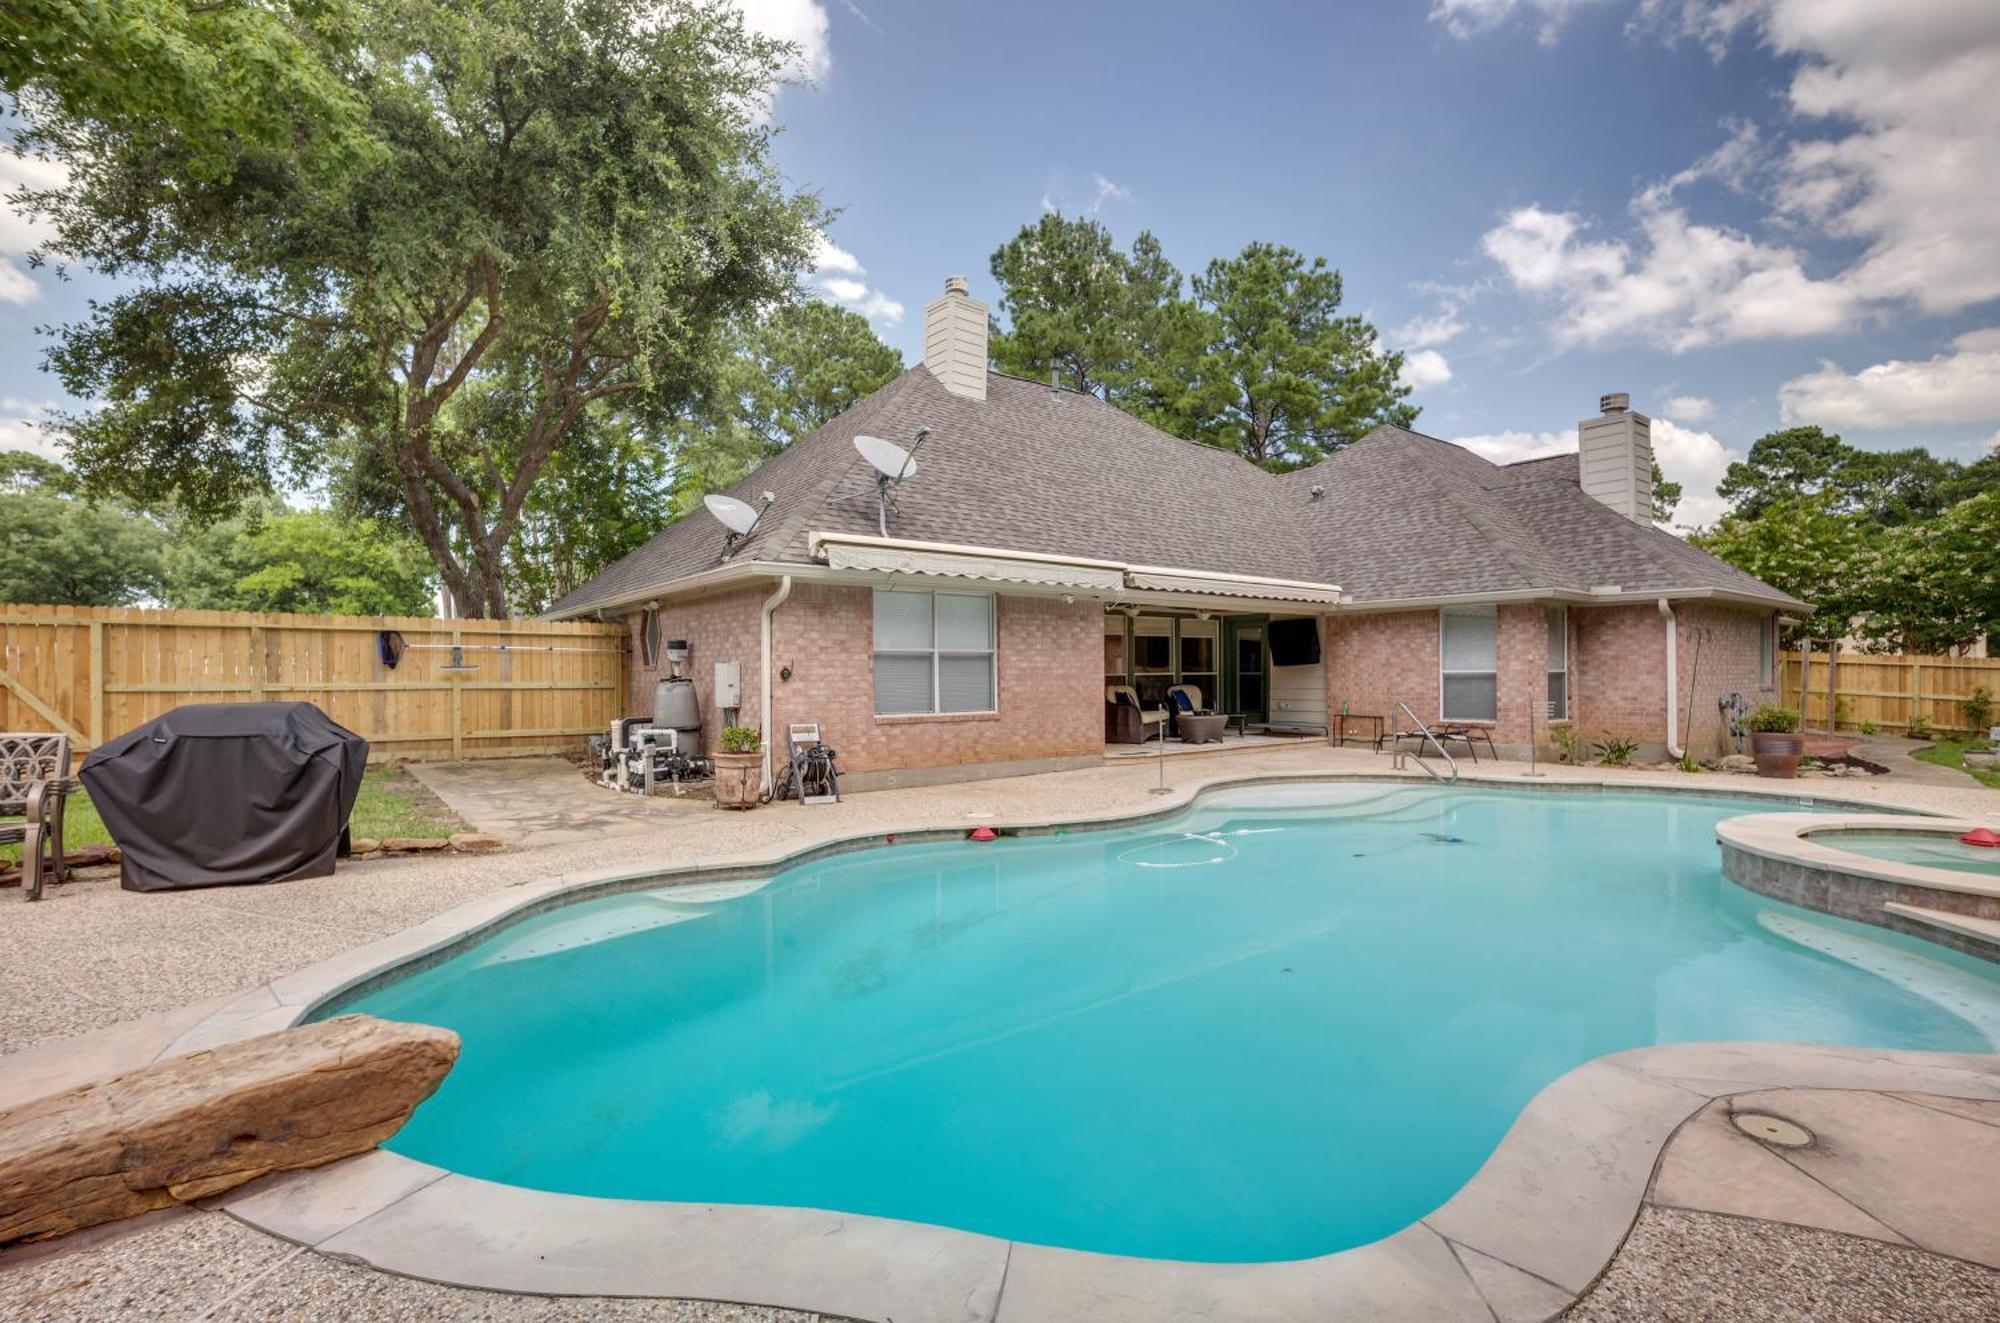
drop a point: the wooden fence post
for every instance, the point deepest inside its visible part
(97, 731)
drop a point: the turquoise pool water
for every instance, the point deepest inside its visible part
(1289, 1021)
(1901, 847)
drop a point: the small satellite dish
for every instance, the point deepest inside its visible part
(892, 464)
(739, 517)
(890, 460)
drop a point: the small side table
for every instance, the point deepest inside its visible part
(1375, 726)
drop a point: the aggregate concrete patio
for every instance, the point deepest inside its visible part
(140, 970)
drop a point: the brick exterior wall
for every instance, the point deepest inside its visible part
(1051, 683)
(1051, 696)
(1374, 662)
(1719, 651)
(723, 627)
(1618, 673)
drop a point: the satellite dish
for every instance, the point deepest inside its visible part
(739, 517)
(892, 464)
(890, 460)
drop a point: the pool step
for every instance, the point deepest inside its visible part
(1986, 930)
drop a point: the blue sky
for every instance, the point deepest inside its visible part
(1745, 214)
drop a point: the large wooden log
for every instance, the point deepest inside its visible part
(197, 1125)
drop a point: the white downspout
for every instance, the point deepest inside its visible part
(1673, 679)
(771, 603)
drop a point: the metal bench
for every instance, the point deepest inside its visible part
(34, 781)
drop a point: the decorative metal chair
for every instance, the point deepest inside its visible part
(34, 780)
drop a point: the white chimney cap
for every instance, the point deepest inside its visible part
(1616, 402)
(957, 285)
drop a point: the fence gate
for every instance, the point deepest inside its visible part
(461, 688)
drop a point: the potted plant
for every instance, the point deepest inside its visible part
(739, 768)
(1775, 741)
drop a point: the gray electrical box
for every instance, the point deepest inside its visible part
(729, 684)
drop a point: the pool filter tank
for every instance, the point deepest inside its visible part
(676, 708)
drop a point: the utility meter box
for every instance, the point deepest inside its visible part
(729, 684)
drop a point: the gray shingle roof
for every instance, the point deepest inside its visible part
(1403, 515)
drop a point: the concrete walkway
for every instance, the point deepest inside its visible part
(1896, 755)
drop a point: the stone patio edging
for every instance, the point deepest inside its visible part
(1521, 1240)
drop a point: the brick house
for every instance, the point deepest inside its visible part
(966, 620)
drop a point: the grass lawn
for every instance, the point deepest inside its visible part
(1951, 753)
(391, 803)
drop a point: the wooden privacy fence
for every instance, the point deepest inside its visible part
(523, 686)
(1888, 690)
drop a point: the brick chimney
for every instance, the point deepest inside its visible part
(1615, 457)
(955, 340)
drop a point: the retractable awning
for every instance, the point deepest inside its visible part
(966, 565)
(850, 551)
(1231, 585)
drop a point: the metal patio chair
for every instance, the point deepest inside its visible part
(34, 781)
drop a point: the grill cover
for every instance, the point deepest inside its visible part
(220, 794)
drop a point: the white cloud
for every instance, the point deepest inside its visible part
(1696, 460)
(1107, 191)
(1895, 156)
(837, 277)
(1962, 386)
(830, 256)
(1427, 332)
(1693, 458)
(20, 427)
(1513, 447)
(1424, 367)
(1469, 18)
(1690, 408)
(800, 21)
(18, 234)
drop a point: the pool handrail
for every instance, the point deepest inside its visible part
(1436, 743)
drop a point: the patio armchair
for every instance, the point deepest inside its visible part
(34, 779)
(1125, 721)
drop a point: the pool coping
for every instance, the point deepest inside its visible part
(1522, 1239)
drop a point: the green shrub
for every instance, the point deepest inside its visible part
(1769, 720)
(741, 739)
(1867, 728)
(1568, 741)
(1919, 728)
(1978, 707)
(1615, 752)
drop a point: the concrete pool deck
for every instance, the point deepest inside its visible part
(132, 963)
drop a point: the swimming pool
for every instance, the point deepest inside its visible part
(1290, 1020)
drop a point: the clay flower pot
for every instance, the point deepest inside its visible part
(1777, 753)
(738, 778)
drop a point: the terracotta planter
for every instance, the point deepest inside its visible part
(1777, 753)
(738, 778)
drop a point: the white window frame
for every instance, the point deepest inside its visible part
(1484, 611)
(991, 652)
(1561, 610)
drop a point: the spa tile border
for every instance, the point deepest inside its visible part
(1775, 855)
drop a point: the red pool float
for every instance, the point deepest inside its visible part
(987, 834)
(1985, 836)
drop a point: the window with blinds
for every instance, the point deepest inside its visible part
(1469, 669)
(934, 652)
